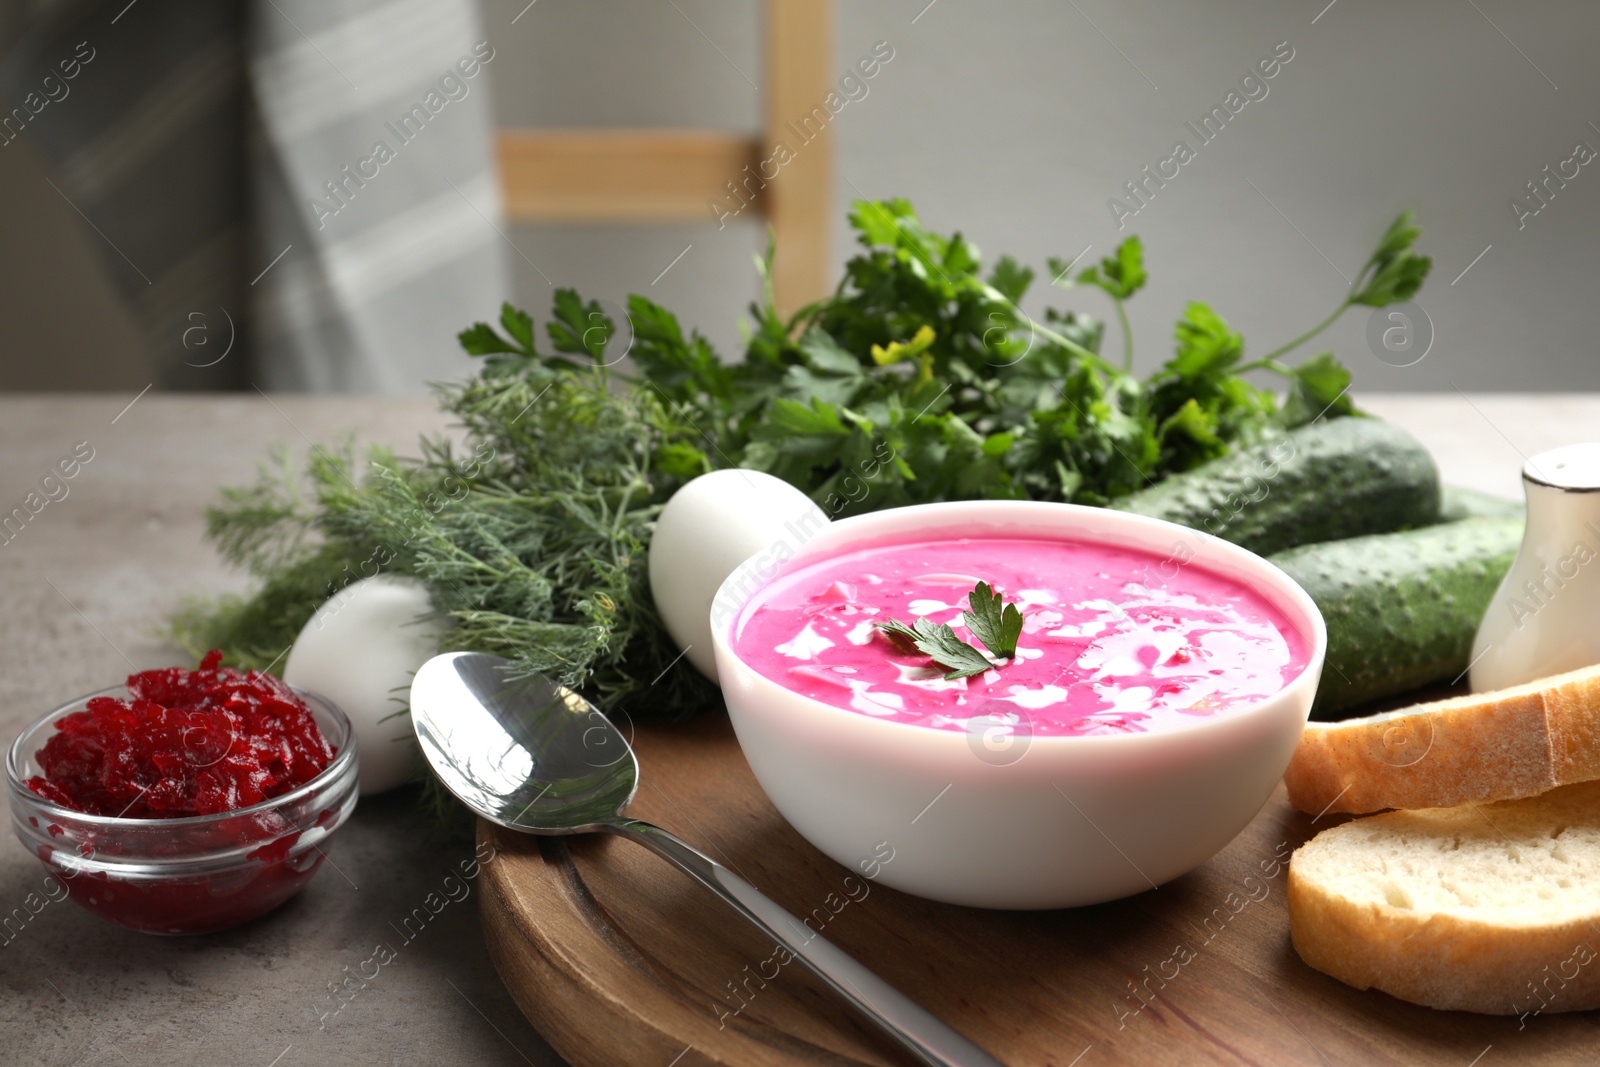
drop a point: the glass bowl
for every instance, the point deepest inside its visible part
(191, 875)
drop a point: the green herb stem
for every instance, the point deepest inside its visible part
(1267, 360)
(1127, 336)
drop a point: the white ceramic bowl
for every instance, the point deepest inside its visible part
(1040, 822)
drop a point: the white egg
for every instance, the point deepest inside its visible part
(360, 650)
(712, 525)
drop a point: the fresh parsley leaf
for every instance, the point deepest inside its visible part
(1120, 275)
(940, 642)
(479, 339)
(677, 368)
(877, 222)
(997, 628)
(1010, 278)
(903, 636)
(1206, 344)
(995, 624)
(578, 328)
(791, 417)
(1195, 423)
(1319, 387)
(1394, 273)
(681, 460)
(824, 354)
(518, 324)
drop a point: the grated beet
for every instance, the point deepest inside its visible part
(184, 742)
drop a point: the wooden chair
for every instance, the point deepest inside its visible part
(661, 175)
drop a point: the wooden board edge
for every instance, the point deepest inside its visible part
(563, 975)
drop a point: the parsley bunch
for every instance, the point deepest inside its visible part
(921, 368)
(921, 350)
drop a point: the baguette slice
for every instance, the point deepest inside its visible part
(1500, 745)
(1490, 908)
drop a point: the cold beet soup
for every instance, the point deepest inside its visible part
(1112, 641)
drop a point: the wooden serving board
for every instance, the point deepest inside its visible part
(619, 959)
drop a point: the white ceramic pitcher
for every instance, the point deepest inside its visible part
(1545, 617)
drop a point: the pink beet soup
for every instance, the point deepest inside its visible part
(1114, 640)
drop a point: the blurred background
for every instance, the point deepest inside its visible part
(146, 197)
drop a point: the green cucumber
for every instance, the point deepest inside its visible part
(1401, 608)
(1322, 482)
(1456, 502)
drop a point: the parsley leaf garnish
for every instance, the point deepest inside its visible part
(998, 629)
(996, 626)
(940, 642)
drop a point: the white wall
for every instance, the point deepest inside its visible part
(1016, 121)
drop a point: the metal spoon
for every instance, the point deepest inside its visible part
(533, 756)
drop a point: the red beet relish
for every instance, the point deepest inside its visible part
(183, 743)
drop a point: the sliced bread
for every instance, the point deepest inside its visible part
(1499, 745)
(1490, 908)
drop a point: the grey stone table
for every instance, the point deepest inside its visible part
(84, 587)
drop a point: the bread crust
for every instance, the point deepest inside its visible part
(1499, 745)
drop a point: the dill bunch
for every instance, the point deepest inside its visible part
(531, 537)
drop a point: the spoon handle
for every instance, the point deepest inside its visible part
(897, 1015)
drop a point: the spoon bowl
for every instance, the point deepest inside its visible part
(533, 756)
(522, 752)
